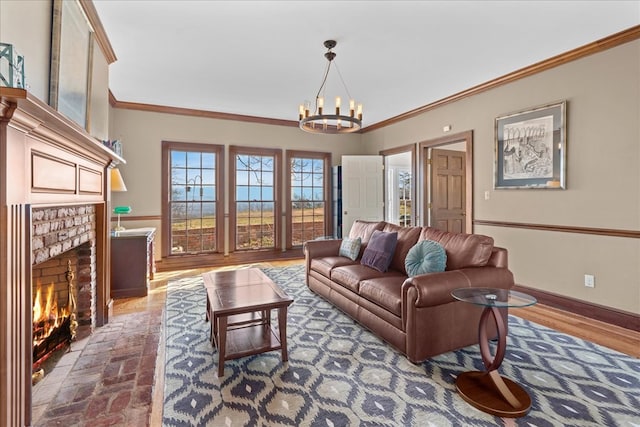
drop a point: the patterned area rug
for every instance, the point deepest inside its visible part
(339, 374)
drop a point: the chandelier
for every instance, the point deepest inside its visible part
(316, 121)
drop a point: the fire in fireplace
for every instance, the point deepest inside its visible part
(54, 320)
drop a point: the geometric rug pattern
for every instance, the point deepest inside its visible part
(339, 374)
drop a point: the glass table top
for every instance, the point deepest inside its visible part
(492, 297)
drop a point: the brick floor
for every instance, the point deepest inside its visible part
(105, 380)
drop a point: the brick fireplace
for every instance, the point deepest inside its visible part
(63, 241)
(54, 200)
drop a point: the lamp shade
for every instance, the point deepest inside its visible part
(117, 183)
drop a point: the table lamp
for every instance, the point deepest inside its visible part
(119, 210)
(117, 184)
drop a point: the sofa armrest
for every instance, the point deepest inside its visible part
(435, 288)
(322, 248)
(318, 249)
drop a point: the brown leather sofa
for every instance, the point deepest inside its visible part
(417, 315)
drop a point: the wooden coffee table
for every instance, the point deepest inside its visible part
(239, 305)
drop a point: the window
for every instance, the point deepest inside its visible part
(399, 188)
(308, 213)
(191, 198)
(256, 183)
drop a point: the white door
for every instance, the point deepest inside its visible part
(362, 193)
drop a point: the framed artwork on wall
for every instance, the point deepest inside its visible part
(530, 148)
(71, 58)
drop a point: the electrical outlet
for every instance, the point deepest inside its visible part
(590, 280)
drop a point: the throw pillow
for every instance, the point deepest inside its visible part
(350, 248)
(426, 256)
(379, 251)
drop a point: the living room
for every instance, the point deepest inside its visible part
(554, 236)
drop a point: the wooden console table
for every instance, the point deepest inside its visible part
(132, 263)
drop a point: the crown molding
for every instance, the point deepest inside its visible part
(101, 35)
(198, 113)
(609, 42)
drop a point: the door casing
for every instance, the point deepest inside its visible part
(423, 147)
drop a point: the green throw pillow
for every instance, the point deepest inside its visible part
(350, 248)
(426, 256)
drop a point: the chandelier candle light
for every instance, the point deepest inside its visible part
(318, 121)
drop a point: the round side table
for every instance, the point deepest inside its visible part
(488, 391)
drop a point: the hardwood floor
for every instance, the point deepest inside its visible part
(614, 337)
(607, 335)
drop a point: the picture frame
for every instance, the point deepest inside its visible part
(530, 148)
(71, 62)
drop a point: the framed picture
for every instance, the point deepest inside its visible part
(530, 148)
(71, 58)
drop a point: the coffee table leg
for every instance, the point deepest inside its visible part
(222, 343)
(282, 327)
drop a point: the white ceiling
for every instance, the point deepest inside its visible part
(264, 58)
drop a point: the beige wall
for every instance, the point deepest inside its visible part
(603, 178)
(142, 134)
(33, 41)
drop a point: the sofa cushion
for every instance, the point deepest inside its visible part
(350, 276)
(350, 248)
(463, 250)
(379, 251)
(326, 264)
(424, 257)
(407, 237)
(364, 229)
(384, 291)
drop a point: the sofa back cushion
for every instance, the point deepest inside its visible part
(364, 229)
(463, 250)
(380, 250)
(407, 237)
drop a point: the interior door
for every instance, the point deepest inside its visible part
(448, 190)
(362, 191)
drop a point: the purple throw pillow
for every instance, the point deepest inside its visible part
(379, 251)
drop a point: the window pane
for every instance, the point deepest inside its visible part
(255, 178)
(242, 193)
(178, 193)
(242, 162)
(267, 193)
(208, 192)
(208, 176)
(209, 160)
(267, 163)
(178, 159)
(193, 159)
(242, 178)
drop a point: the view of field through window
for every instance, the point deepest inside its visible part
(193, 201)
(307, 199)
(255, 201)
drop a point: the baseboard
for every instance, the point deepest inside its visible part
(609, 315)
(184, 262)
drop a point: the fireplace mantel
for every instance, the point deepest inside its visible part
(45, 160)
